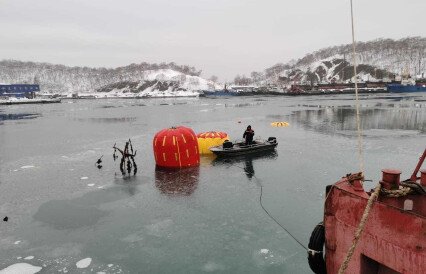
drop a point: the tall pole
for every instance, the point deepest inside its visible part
(343, 70)
(358, 120)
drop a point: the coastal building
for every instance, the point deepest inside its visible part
(19, 90)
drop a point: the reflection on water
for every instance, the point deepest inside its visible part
(109, 106)
(66, 214)
(83, 211)
(107, 119)
(18, 116)
(243, 105)
(367, 97)
(329, 120)
(248, 167)
(177, 181)
(246, 160)
(129, 184)
(276, 116)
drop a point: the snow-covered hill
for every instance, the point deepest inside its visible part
(159, 83)
(144, 79)
(375, 59)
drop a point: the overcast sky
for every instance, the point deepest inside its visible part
(221, 37)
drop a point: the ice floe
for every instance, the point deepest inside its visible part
(84, 263)
(21, 268)
(264, 251)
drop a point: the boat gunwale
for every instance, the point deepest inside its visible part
(264, 146)
(337, 185)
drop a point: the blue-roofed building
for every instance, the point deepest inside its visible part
(19, 90)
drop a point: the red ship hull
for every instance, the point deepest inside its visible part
(390, 226)
(393, 240)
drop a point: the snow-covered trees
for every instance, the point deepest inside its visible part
(62, 79)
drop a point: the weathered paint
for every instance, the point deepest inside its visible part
(392, 237)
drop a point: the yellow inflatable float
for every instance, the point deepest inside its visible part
(210, 139)
(280, 124)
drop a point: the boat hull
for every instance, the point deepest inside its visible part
(393, 239)
(240, 149)
(219, 93)
(399, 88)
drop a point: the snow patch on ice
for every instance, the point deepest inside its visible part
(84, 178)
(90, 184)
(29, 258)
(264, 251)
(84, 263)
(17, 242)
(26, 167)
(21, 268)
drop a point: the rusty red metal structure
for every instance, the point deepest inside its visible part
(394, 237)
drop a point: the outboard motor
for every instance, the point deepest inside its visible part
(228, 144)
(272, 140)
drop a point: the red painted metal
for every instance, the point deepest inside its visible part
(419, 164)
(390, 178)
(176, 147)
(393, 240)
(423, 177)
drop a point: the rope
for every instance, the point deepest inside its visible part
(266, 211)
(358, 118)
(360, 229)
(354, 177)
(403, 191)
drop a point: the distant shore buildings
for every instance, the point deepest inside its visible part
(19, 90)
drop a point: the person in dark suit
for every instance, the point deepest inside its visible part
(248, 135)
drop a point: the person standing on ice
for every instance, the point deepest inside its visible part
(248, 135)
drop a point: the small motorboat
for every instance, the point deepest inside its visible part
(229, 149)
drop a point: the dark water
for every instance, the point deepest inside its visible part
(62, 209)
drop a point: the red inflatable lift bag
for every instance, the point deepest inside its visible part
(176, 147)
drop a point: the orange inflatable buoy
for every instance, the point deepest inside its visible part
(176, 147)
(280, 124)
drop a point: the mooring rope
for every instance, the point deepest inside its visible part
(375, 194)
(266, 211)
